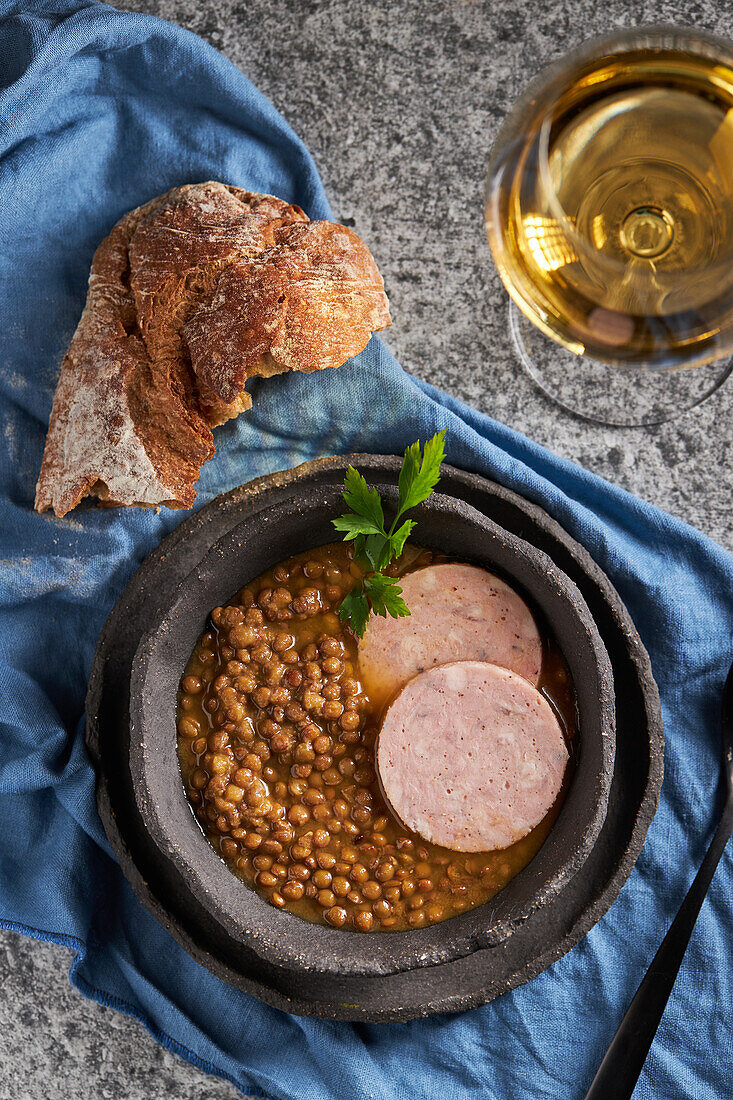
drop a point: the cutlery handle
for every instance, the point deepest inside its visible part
(619, 1071)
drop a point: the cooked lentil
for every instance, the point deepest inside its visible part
(276, 744)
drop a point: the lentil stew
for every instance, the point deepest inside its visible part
(276, 736)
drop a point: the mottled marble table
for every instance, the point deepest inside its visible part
(399, 103)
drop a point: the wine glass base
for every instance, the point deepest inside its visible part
(622, 397)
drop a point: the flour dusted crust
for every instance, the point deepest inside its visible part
(189, 297)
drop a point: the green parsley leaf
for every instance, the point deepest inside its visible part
(408, 473)
(374, 546)
(360, 556)
(362, 500)
(378, 549)
(417, 483)
(355, 609)
(385, 596)
(353, 525)
(400, 537)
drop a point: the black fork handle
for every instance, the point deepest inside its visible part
(619, 1071)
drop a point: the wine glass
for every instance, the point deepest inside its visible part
(609, 211)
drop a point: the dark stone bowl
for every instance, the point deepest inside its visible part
(279, 937)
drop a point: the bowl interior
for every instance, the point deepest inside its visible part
(259, 542)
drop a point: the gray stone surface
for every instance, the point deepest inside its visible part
(399, 104)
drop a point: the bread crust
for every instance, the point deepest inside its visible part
(190, 296)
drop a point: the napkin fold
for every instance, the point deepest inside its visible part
(99, 111)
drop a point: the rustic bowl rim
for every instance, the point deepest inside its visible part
(287, 941)
(457, 986)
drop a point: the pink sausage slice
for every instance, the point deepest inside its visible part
(458, 613)
(470, 756)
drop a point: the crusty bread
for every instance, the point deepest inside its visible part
(189, 297)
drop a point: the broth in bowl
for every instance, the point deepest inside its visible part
(277, 729)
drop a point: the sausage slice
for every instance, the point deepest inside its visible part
(470, 756)
(457, 613)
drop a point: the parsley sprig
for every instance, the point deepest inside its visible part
(375, 546)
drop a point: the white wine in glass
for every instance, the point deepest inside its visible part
(609, 210)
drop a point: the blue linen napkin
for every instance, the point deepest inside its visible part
(101, 110)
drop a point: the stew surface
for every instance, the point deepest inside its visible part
(276, 736)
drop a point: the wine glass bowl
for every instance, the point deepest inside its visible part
(609, 212)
